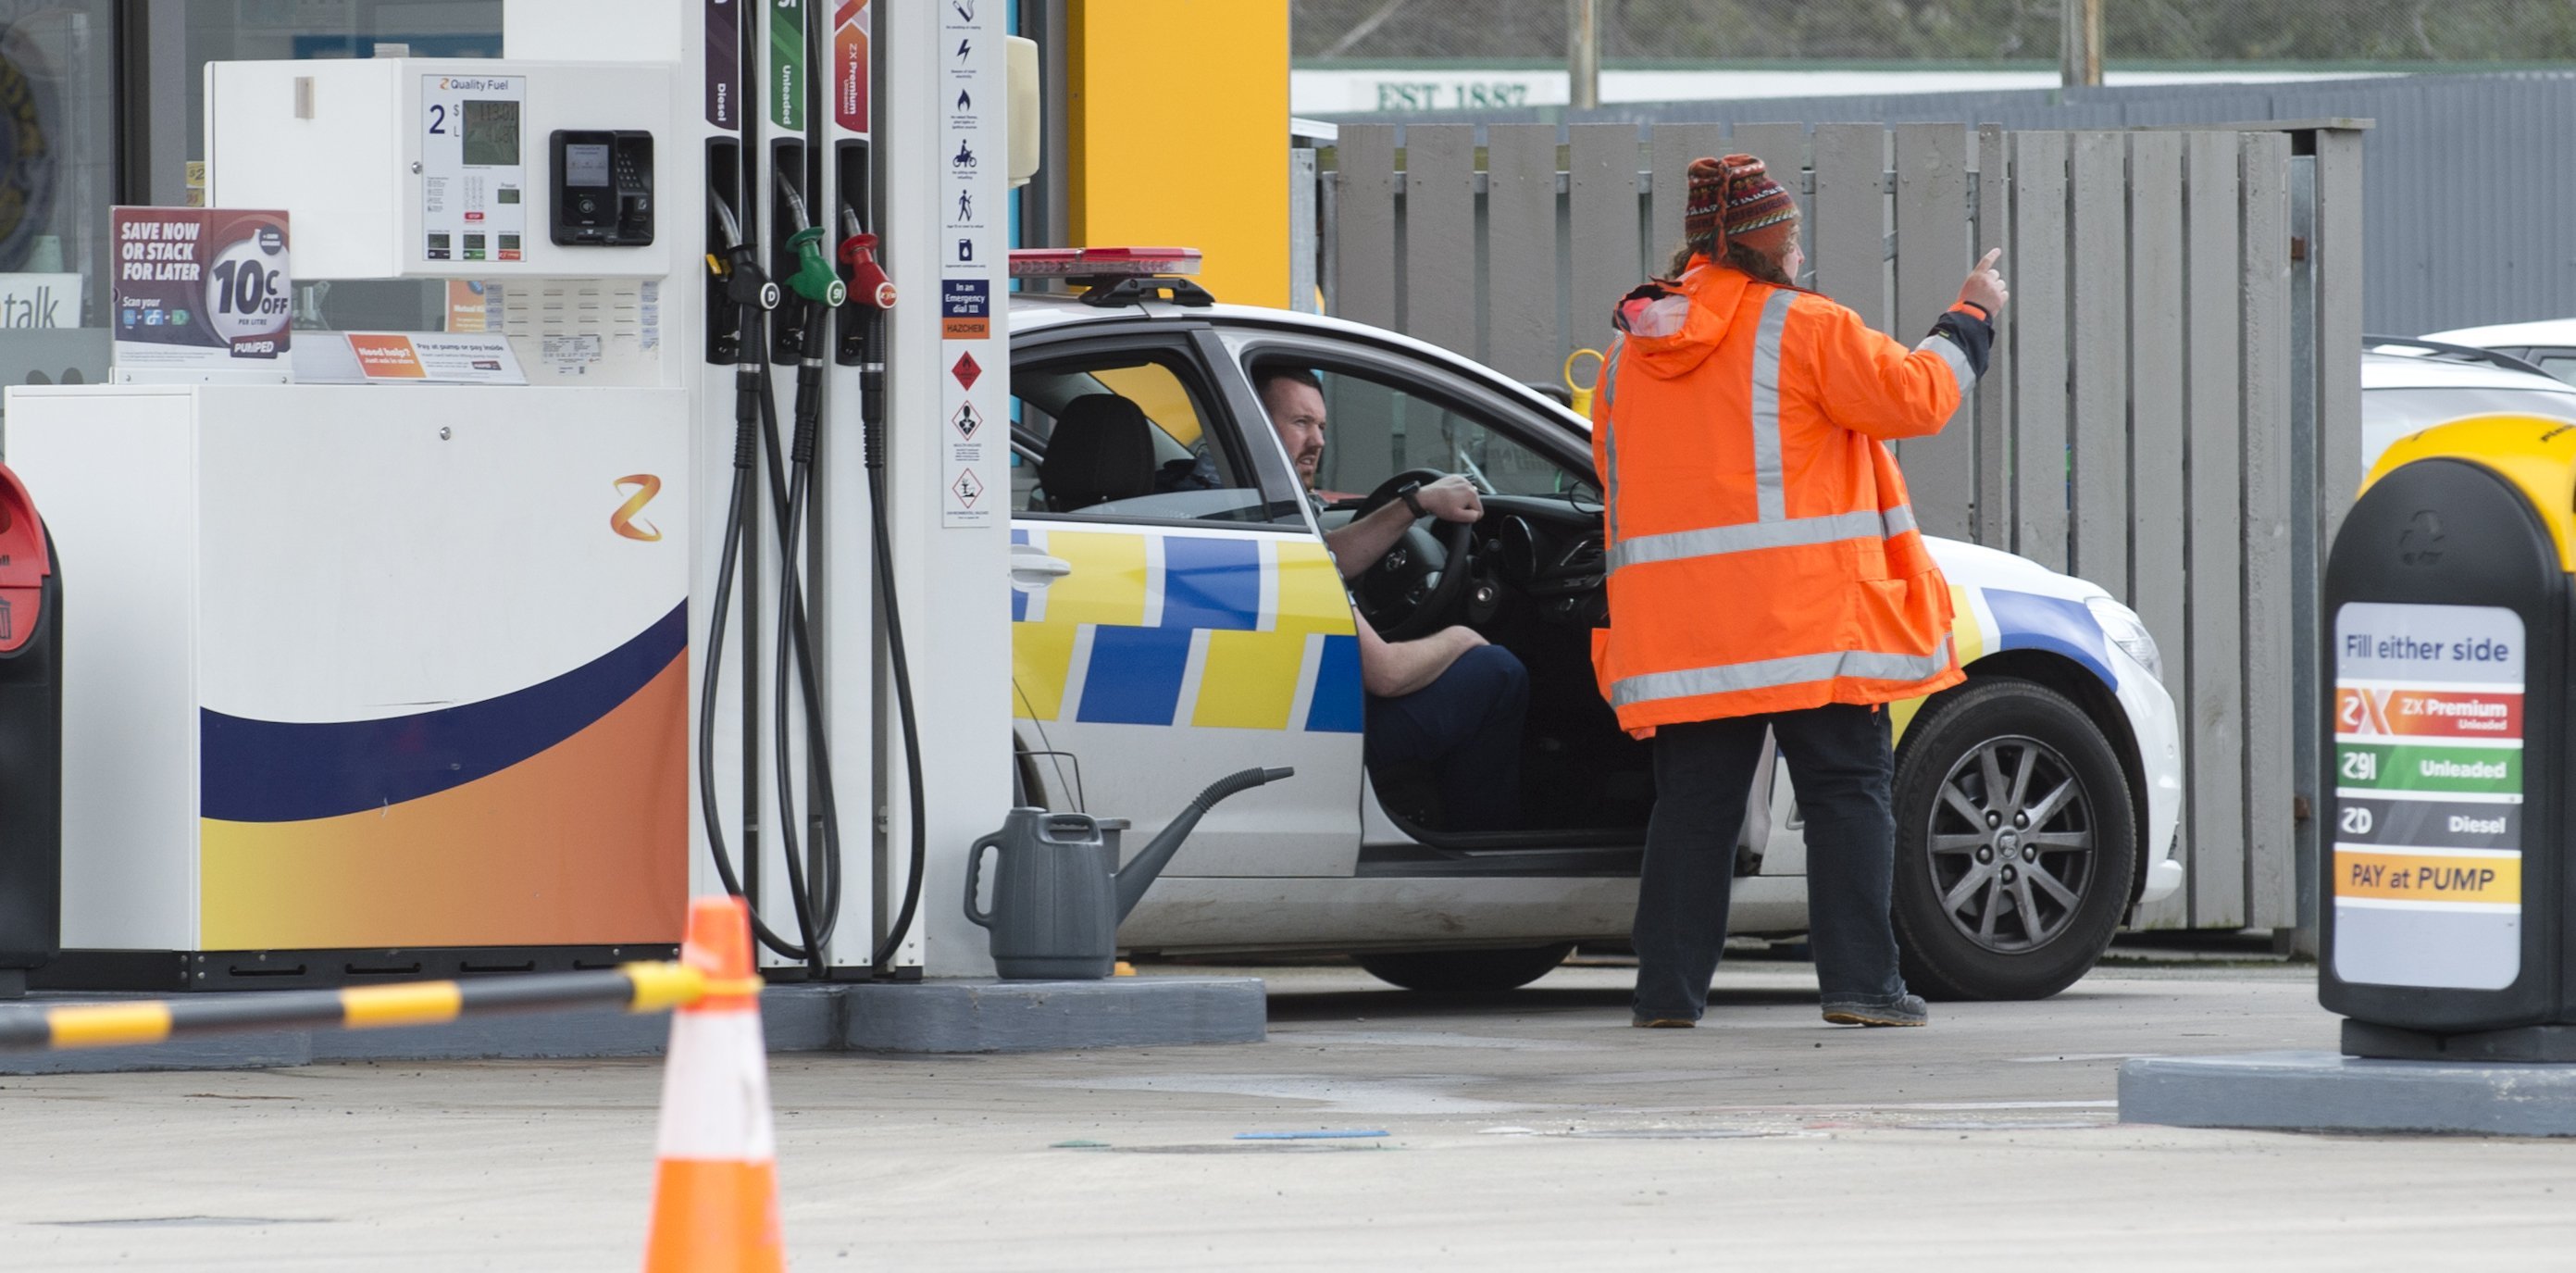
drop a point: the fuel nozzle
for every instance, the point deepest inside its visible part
(745, 284)
(814, 279)
(868, 279)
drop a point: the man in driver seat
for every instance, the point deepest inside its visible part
(1449, 700)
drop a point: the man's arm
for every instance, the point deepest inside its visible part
(1392, 669)
(1358, 545)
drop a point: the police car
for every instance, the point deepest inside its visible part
(1176, 618)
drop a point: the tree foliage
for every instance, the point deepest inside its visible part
(2401, 31)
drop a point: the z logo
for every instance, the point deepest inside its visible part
(646, 486)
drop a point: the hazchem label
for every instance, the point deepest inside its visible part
(2428, 795)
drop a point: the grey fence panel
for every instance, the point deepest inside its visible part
(2099, 331)
(1994, 401)
(2213, 699)
(1440, 235)
(1782, 148)
(1850, 242)
(1520, 233)
(1673, 149)
(1364, 225)
(2038, 316)
(2270, 646)
(2156, 505)
(1932, 238)
(2341, 282)
(1602, 168)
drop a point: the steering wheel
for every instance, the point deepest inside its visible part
(1417, 586)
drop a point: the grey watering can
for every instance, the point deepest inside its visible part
(1058, 892)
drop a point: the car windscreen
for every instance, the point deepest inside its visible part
(2390, 414)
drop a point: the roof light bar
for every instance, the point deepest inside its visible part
(1102, 262)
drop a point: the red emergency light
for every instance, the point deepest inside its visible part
(1102, 262)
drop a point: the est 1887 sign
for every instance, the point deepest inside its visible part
(199, 290)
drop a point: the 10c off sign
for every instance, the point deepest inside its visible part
(200, 288)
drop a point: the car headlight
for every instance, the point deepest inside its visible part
(2129, 632)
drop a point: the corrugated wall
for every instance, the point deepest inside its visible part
(2467, 188)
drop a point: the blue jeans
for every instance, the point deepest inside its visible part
(1467, 727)
(1840, 765)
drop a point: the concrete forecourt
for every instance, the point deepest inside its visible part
(1534, 1131)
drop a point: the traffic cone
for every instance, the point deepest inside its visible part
(715, 1190)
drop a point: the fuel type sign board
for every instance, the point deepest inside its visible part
(2428, 795)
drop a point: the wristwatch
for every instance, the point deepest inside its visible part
(1406, 493)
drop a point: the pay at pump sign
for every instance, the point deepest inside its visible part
(200, 288)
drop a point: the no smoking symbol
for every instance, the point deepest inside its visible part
(967, 420)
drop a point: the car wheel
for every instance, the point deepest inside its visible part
(2015, 843)
(1466, 972)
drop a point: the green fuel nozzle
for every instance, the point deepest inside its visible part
(815, 279)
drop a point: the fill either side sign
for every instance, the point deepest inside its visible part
(2429, 792)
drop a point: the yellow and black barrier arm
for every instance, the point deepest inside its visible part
(637, 987)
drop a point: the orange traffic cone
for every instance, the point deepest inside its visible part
(715, 1190)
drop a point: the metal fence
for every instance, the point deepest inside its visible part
(2185, 312)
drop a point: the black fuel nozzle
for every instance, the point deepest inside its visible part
(746, 284)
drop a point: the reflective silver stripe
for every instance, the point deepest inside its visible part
(1610, 433)
(1743, 536)
(1770, 496)
(1898, 520)
(1797, 669)
(1960, 370)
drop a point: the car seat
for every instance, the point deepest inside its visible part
(1102, 450)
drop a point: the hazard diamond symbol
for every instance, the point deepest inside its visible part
(967, 488)
(966, 370)
(967, 420)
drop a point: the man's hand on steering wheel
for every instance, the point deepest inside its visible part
(1451, 499)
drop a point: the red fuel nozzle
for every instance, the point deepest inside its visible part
(868, 281)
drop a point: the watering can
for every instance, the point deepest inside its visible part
(1582, 400)
(1058, 891)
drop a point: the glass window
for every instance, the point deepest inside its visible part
(1122, 435)
(2557, 362)
(57, 177)
(1376, 427)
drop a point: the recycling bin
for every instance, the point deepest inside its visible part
(31, 741)
(2446, 886)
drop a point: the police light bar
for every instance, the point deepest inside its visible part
(1102, 262)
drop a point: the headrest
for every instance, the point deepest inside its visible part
(1102, 449)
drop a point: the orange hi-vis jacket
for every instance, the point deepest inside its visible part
(1761, 552)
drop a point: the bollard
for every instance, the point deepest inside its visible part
(2446, 598)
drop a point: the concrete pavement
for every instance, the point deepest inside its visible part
(1533, 1132)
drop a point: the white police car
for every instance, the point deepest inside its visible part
(1176, 619)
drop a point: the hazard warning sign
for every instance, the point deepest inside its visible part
(967, 420)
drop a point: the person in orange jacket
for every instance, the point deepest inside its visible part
(1766, 574)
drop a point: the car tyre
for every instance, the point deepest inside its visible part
(1465, 972)
(2016, 842)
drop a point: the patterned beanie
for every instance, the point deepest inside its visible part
(1735, 200)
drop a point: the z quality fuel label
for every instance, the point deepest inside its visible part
(2428, 795)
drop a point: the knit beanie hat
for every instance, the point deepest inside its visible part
(1734, 200)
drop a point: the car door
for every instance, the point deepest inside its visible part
(1198, 628)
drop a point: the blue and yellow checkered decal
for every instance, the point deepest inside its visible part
(1229, 631)
(1991, 620)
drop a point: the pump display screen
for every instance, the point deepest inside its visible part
(585, 165)
(491, 134)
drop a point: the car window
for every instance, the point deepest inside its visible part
(1376, 427)
(2557, 362)
(1122, 435)
(2390, 414)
